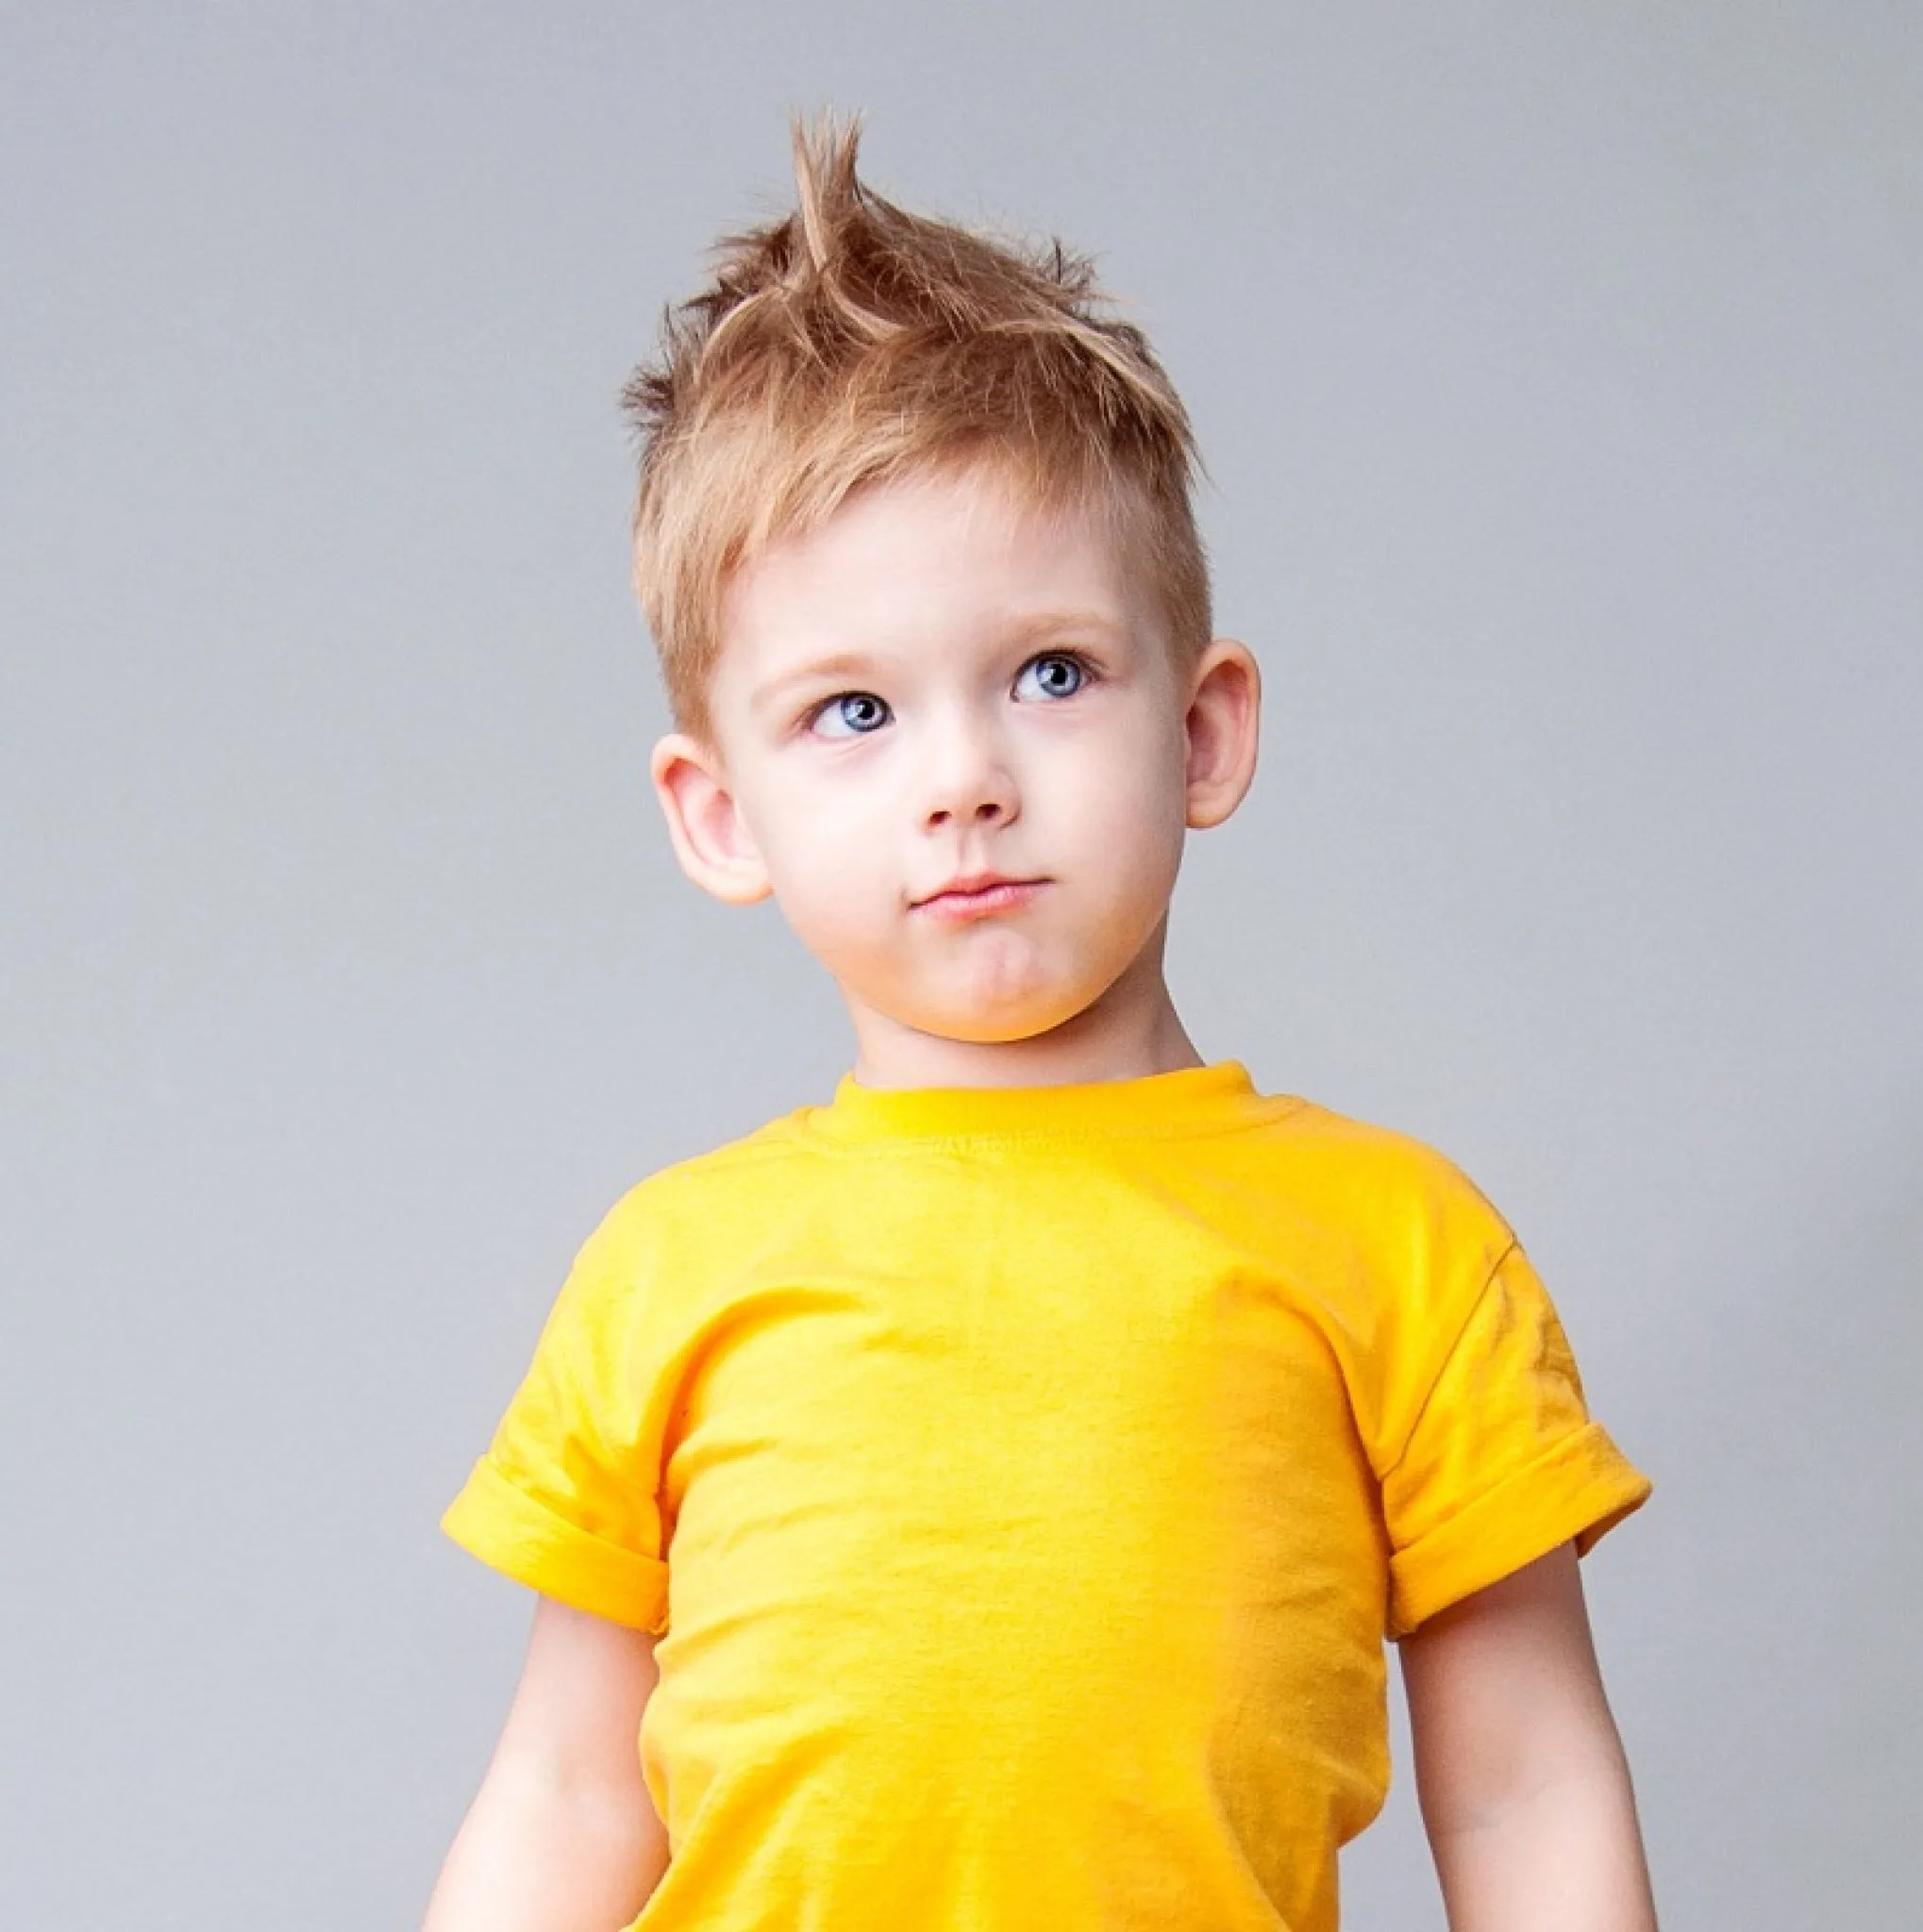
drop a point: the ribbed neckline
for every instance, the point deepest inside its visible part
(1190, 1100)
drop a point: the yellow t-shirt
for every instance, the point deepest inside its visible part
(1024, 1482)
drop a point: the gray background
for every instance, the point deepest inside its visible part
(1558, 369)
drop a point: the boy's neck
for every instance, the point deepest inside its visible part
(1130, 1032)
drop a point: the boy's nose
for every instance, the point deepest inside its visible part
(967, 781)
(984, 811)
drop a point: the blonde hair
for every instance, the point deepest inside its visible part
(853, 343)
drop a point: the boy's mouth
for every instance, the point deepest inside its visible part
(977, 895)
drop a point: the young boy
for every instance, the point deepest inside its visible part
(980, 1503)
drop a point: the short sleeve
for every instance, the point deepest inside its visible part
(565, 1501)
(1503, 1463)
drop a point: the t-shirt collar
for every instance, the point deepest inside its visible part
(1188, 1100)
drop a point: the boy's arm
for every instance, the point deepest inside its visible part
(562, 1836)
(1520, 1773)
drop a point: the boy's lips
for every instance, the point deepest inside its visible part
(978, 894)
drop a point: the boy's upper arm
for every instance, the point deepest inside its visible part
(1505, 1693)
(577, 1711)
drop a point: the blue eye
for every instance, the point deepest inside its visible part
(1054, 674)
(853, 714)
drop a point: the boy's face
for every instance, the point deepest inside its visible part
(950, 737)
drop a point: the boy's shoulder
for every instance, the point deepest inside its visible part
(1378, 1155)
(1353, 1193)
(712, 1188)
(723, 1161)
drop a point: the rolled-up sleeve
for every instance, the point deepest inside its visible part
(1503, 1463)
(566, 1498)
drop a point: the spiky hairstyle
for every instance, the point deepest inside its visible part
(853, 343)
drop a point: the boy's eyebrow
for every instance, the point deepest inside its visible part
(773, 696)
(1048, 623)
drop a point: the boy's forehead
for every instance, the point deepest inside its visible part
(943, 558)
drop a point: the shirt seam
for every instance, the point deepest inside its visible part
(1432, 1381)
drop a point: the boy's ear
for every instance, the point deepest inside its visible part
(708, 834)
(1223, 725)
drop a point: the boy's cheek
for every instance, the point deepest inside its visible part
(836, 907)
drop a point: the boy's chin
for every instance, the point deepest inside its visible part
(977, 1033)
(1005, 1025)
